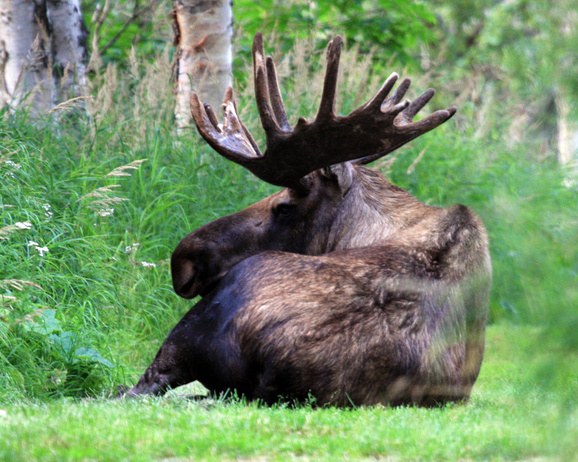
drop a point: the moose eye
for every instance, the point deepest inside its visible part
(284, 210)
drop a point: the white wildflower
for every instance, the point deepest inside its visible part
(148, 265)
(105, 212)
(13, 164)
(23, 225)
(10, 175)
(131, 248)
(48, 214)
(42, 250)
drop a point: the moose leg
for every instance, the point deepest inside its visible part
(200, 347)
(164, 373)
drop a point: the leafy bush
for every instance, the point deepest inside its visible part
(43, 359)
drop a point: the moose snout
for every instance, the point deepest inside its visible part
(206, 255)
(185, 280)
(195, 268)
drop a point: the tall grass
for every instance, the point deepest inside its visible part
(90, 211)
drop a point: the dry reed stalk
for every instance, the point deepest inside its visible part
(153, 91)
(18, 284)
(70, 104)
(107, 84)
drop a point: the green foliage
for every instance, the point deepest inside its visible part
(389, 26)
(43, 359)
(522, 55)
(126, 25)
(89, 215)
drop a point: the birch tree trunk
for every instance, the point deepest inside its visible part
(203, 32)
(24, 56)
(563, 138)
(42, 53)
(69, 43)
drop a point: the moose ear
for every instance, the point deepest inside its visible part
(342, 174)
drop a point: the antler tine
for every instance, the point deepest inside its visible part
(205, 124)
(398, 95)
(212, 116)
(417, 105)
(327, 105)
(232, 140)
(275, 96)
(229, 96)
(262, 87)
(428, 123)
(382, 93)
(410, 130)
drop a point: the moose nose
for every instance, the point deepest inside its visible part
(185, 280)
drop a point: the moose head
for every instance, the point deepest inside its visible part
(314, 162)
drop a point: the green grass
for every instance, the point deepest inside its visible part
(507, 418)
(88, 315)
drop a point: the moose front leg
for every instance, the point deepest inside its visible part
(193, 351)
(164, 373)
(173, 365)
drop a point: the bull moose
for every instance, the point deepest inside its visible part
(341, 288)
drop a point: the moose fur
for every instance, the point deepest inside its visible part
(344, 289)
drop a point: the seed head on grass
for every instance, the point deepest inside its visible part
(120, 171)
(18, 284)
(70, 104)
(102, 199)
(7, 230)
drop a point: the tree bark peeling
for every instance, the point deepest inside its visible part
(203, 33)
(69, 42)
(24, 64)
(42, 53)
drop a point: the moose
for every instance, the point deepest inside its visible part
(341, 289)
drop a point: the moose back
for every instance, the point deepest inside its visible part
(341, 288)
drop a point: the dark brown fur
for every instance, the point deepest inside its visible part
(351, 293)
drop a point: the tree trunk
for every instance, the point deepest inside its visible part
(567, 139)
(203, 32)
(69, 41)
(24, 56)
(42, 53)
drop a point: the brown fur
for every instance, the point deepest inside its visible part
(352, 292)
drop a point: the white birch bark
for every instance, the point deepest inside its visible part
(204, 29)
(69, 45)
(43, 53)
(25, 76)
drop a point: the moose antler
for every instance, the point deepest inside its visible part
(375, 129)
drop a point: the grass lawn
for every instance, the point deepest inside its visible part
(513, 415)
